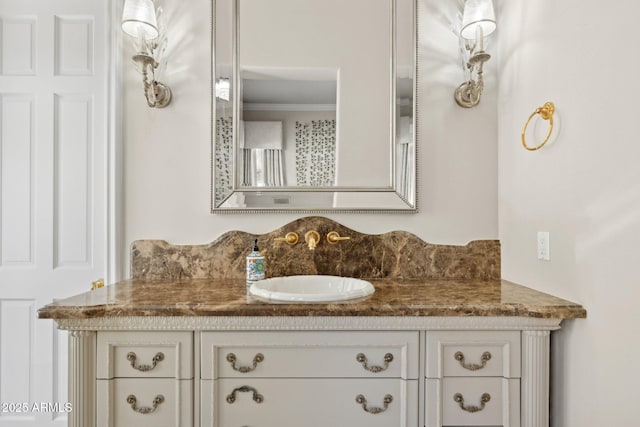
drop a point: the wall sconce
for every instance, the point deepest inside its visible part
(139, 20)
(478, 21)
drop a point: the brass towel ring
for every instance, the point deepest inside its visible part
(546, 112)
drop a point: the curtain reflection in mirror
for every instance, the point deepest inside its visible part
(261, 152)
(223, 148)
(405, 159)
(316, 153)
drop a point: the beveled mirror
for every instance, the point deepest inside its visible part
(314, 106)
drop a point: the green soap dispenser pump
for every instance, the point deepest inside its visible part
(255, 265)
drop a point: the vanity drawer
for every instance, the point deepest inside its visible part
(473, 354)
(124, 401)
(145, 354)
(310, 354)
(319, 402)
(473, 402)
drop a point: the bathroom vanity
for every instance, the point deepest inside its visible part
(443, 341)
(416, 353)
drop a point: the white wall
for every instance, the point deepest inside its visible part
(167, 152)
(584, 190)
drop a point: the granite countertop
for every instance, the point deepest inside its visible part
(393, 297)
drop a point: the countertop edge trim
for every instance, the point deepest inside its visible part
(247, 323)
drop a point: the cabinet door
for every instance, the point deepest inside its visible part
(309, 402)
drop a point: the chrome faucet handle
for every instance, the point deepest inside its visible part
(290, 238)
(334, 237)
(312, 238)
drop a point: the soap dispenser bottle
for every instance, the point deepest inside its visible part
(255, 265)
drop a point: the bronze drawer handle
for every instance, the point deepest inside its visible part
(388, 358)
(257, 397)
(131, 357)
(131, 400)
(459, 356)
(374, 409)
(483, 400)
(231, 358)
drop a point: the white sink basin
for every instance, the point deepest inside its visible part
(311, 288)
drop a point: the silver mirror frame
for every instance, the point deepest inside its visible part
(385, 192)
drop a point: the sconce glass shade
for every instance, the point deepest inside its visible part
(139, 19)
(478, 13)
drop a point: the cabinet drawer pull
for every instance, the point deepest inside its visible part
(388, 358)
(131, 400)
(374, 409)
(257, 397)
(483, 400)
(131, 357)
(459, 356)
(231, 358)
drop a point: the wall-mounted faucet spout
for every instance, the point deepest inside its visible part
(312, 238)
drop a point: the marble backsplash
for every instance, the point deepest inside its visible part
(393, 255)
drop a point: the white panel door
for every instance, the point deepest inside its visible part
(54, 99)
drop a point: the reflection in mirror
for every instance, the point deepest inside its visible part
(314, 106)
(288, 129)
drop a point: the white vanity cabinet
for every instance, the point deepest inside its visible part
(304, 371)
(282, 379)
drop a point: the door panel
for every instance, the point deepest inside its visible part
(54, 104)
